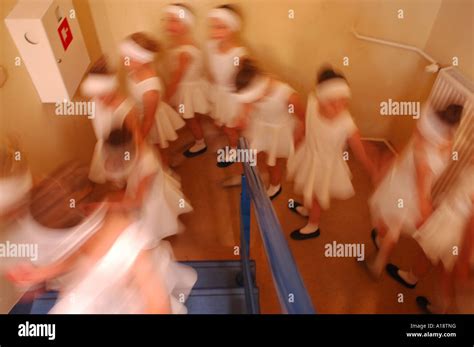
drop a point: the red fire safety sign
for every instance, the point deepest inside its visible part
(65, 33)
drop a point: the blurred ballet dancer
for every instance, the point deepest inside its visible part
(441, 239)
(112, 110)
(463, 277)
(447, 241)
(225, 52)
(16, 221)
(92, 247)
(123, 158)
(159, 120)
(15, 181)
(187, 90)
(150, 190)
(319, 168)
(402, 201)
(268, 117)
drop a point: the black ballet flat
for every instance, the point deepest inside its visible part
(224, 164)
(188, 154)
(373, 236)
(423, 304)
(392, 270)
(276, 194)
(293, 209)
(297, 235)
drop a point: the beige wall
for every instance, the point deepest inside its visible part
(452, 35)
(47, 139)
(321, 32)
(291, 48)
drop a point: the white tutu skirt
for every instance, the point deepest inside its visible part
(276, 140)
(225, 107)
(101, 290)
(179, 279)
(194, 96)
(163, 205)
(395, 203)
(443, 231)
(320, 176)
(108, 285)
(167, 121)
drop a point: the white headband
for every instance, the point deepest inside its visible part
(98, 84)
(131, 49)
(255, 91)
(230, 18)
(334, 88)
(181, 13)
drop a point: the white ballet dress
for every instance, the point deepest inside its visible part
(445, 228)
(167, 120)
(395, 202)
(163, 202)
(192, 93)
(107, 287)
(222, 67)
(104, 122)
(271, 125)
(43, 246)
(318, 167)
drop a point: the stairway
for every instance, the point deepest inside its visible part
(217, 291)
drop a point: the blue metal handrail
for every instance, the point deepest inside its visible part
(292, 293)
(252, 305)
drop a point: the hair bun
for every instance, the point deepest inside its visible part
(146, 41)
(119, 137)
(247, 72)
(327, 72)
(100, 67)
(452, 114)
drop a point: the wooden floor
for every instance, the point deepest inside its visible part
(336, 285)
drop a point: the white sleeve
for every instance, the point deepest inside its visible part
(153, 83)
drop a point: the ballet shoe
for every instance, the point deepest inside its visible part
(293, 209)
(423, 304)
(276, 194)
(298, 236)
(188, 154)
(224, 164)
(392, 270)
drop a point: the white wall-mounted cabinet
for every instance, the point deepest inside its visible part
(51, 46)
